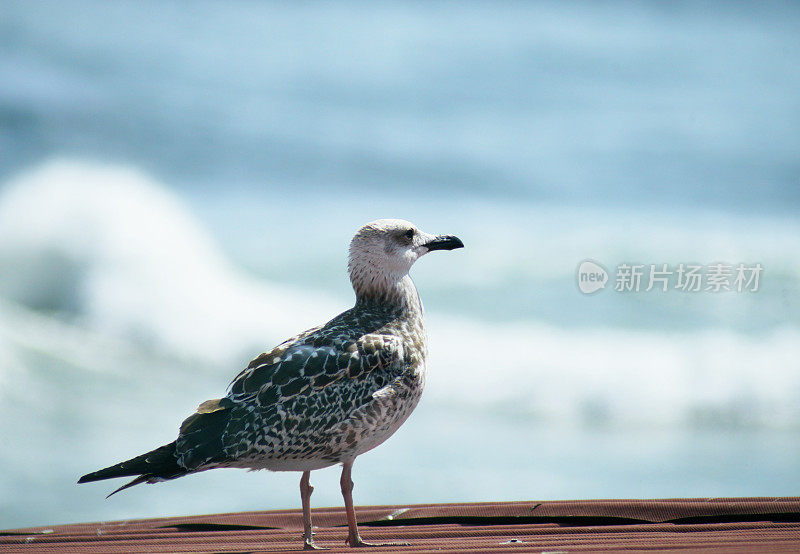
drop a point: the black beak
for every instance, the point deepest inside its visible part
(445, 242)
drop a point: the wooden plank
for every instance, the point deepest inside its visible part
(710, 525)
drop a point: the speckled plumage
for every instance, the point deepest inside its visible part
(325, 396)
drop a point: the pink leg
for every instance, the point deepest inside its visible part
(305, 495)
(353, 537)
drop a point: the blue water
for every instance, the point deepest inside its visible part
(178, 183)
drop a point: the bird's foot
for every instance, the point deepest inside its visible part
(358, 542)
(308, 544)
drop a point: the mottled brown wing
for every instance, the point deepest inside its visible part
(303, 369)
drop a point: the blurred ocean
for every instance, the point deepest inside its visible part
(179, 182)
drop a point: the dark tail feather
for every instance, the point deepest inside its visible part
(160, 464)
(139, 480)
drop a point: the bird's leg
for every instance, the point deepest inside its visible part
(353, 537)
(305, 495)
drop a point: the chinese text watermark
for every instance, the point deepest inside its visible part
(713, 277)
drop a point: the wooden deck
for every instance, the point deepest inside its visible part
(710, 525)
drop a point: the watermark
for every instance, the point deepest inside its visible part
(684, 277)
(591, 277)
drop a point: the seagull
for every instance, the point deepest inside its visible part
(324, 396)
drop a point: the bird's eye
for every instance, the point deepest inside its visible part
(409, 234)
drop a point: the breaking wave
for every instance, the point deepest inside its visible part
(109, 248)
(107, 254)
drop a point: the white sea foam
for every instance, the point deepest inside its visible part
(613, 376)
(111, 248)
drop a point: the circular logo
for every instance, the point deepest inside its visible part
(591, 277)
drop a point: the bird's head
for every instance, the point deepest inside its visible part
(383, 251)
